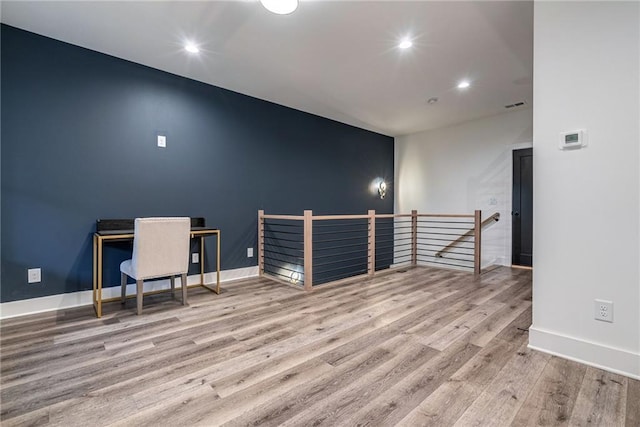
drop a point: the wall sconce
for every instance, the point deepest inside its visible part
(382, 189)
(378, 187)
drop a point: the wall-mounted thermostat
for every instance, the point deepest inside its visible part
(573, 139)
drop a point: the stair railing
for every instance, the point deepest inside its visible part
(355, 246)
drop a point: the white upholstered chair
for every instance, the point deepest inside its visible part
(160, 249)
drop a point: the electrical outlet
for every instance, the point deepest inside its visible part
(195, 258)
(34, 275)
(249, 252)
(162, 141)
(603, 310)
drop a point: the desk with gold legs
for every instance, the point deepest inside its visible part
(122, 235)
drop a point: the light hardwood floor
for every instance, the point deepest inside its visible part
(421, 347)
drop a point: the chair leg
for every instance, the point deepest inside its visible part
(139, 295)
(123, 285)
(172, 279)
(184, 288)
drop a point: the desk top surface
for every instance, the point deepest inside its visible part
(126, 232)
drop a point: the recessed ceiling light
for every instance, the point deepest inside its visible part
(464, 84)
(405, 44)
(192, 48)
(281, 7)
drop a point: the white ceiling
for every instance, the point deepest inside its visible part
(336, 59)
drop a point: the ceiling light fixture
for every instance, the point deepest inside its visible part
(191, 48)
(464, 84)
(281, 7)
(405, 44)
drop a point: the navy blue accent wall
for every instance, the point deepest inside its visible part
(79, 143)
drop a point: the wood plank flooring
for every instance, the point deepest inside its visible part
(420, 347)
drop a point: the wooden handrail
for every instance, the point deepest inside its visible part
(290, 217)
(424, 215)
(356, 216)
(445, 216)
(493, 218)
(332, 217)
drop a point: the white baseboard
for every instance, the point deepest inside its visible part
(77, 299)
(600, 356)
(502, 261)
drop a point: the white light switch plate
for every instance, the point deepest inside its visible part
(162, 141)
(34, 275)
(195, 258)
(249, 252)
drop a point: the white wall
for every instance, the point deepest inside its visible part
(587, 202)
(462, 168)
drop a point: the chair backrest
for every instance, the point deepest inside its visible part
(160, 247)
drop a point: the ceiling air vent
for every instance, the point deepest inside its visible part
(517, 104)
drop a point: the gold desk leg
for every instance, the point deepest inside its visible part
(95, 270)
(99, 281)
(202, 260)
(217, 288)
(218, 265)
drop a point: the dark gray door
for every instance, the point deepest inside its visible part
(522, 210)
